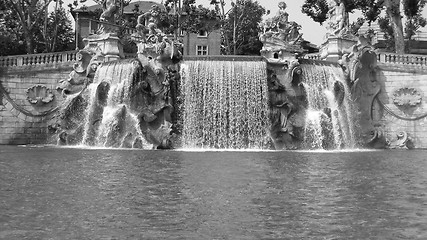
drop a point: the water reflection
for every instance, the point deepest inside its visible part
(49, 193)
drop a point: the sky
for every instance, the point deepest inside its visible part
(312, 31)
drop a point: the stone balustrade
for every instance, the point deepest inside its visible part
(407, 59)
(37, 59)
(312, 56)
(385, 57)
(43, 58)
(70, 56)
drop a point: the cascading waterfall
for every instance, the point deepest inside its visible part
(109, 120)
(329, 117)
(225, 104)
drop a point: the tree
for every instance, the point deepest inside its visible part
(219, 9)
(59, 33)
(11, 41)
(393, 13)
(316, 9)
(371, 10)
(413, 12)
(191, 18)
(42, 31)
(55, 32)
(28, 13)
(385, 26)
(242, 26)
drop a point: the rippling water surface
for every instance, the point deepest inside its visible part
(71, 193)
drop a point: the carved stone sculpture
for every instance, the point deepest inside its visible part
(375, 138)
(83, 70)
(403, 141)
(407, 97)
(39, 94)
(280, 37)
(338, 19)
(147, 94)
(158, 56)
(110, 9)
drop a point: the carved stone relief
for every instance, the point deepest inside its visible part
(403, 141)
(407, 97)
(39, 94)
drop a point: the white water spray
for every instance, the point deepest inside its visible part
(225, 104)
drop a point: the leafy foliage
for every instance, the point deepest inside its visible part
(391, 24)
(11, 39)
(192, 18)
(27, 27)
(28, 13)
(413, 11)
(316, 9)
(385, 26)
(242, 27)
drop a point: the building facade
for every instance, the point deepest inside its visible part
(203, 43)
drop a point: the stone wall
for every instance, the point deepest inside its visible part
(28, 100)
(402, 104)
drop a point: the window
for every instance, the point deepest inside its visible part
(202, 50)
(202, 33)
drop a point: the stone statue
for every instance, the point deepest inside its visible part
(110, 9)
(339, 18)
(147, 30)
(281, 33)
(282, 15)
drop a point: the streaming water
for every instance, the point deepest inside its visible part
(225, 104)
(109, 118)
(329, 122)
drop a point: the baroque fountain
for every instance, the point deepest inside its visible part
(280, 100)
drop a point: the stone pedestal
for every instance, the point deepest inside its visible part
(108, 45)
(334, 48)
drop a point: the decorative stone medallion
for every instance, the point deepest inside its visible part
(39, 94)
(406, 97)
